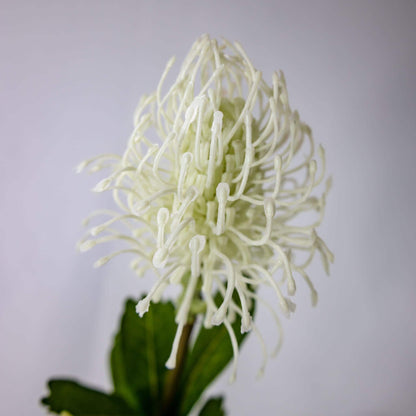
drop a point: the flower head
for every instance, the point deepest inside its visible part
(213, 187)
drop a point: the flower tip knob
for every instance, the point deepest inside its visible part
(142, 307)
(81, 166)
(197, 243)
(291, 287)
(269, 208)
(100, 262)
(277, 163)
(162, 216)
(87, 245)
(246, 324)
(102, 185)
(223, 191)
(218, 116)
(97, 230)
(160, 257)
(171, 363)
(187, 158)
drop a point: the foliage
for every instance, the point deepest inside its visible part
(140, 350)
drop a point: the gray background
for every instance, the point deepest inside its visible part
(71, 74)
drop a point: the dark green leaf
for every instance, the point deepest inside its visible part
(120, 383)
(210, 354)
(140, 351)
(78, 400)
(213, 407)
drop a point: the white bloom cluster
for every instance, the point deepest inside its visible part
(213, 187)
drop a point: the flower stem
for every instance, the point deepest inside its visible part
(171, 399)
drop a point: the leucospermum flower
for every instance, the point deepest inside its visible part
(213, 188)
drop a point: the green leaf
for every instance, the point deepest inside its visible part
(78, 400)
(140, 351)
(213, 407)
(210, 354)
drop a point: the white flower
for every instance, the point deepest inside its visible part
(213, 187)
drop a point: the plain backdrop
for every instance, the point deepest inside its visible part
(71, 73)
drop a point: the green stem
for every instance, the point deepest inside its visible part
(171, 400)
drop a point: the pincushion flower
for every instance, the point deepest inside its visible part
(213, 188)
